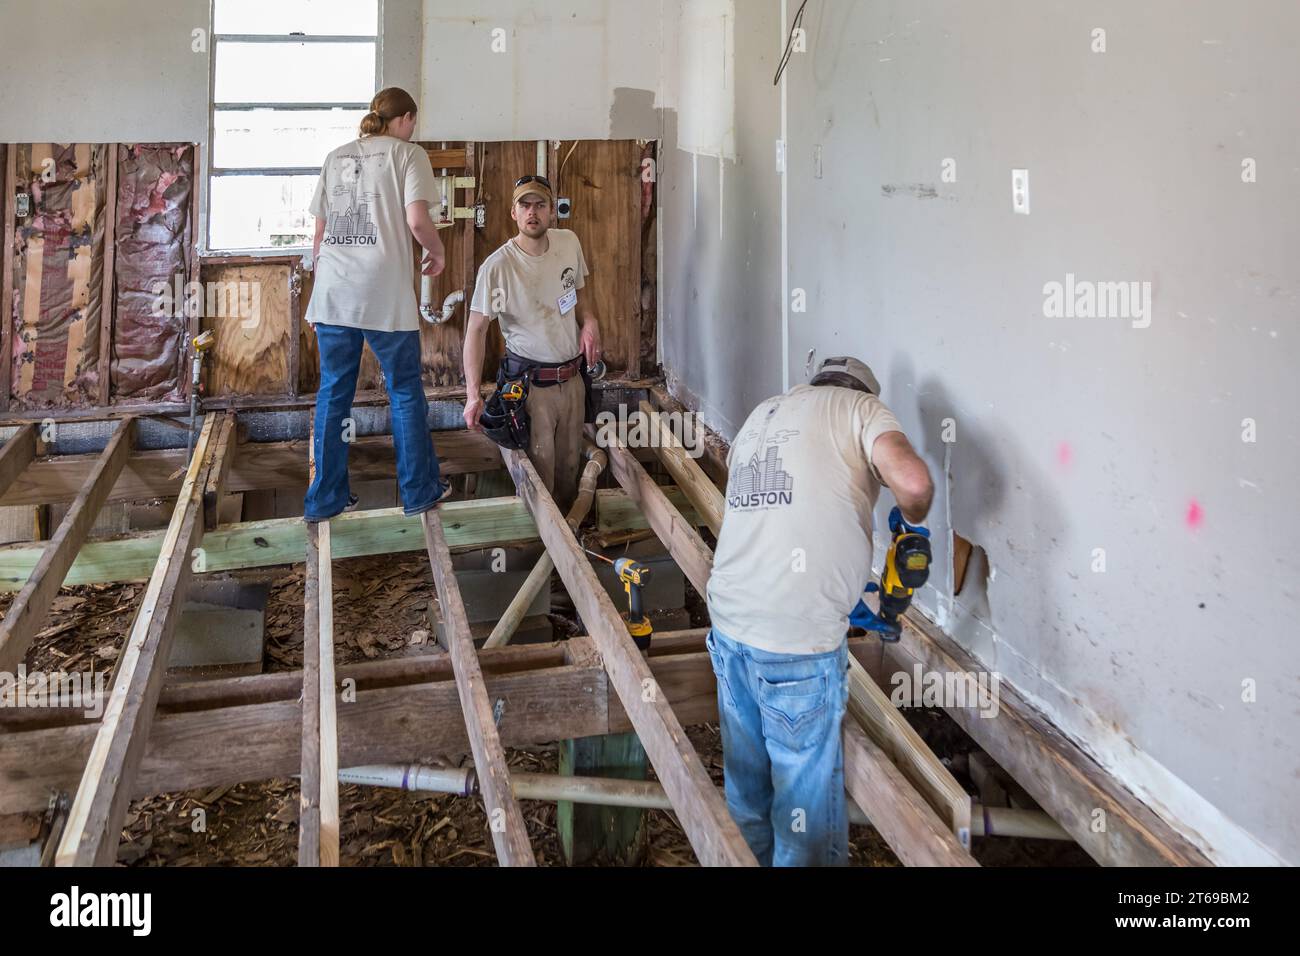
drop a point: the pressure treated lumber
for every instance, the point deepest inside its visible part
(489, 523)
(153, 474)
(901, 816)
(702, 813)
(1061, 778)
(506, 822)
(95, 820)
(701, 492)
(32, 603)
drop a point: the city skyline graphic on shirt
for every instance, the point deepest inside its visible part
(354, 221)
(762, 477)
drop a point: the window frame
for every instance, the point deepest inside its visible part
(212, 172)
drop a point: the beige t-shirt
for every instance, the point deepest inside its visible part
(365, 273)
(535, 298)
(794, 552)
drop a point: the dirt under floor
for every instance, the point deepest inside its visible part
(381, 611)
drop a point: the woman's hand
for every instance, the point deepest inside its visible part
(433, 265)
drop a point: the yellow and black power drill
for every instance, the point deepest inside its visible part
(634, 576)
(907, 568)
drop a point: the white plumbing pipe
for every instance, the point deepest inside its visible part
(649, 795)
(434, 316)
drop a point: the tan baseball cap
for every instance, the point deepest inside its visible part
(533, 186)
(834, 369)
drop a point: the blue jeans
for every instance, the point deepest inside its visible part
(782, 753)
(340, 365)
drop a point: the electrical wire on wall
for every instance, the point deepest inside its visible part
(789, 46)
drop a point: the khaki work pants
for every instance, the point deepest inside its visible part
(557, 414)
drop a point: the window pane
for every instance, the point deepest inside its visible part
(261, 212)
(332, 17)
(295, 72)
(280, 139)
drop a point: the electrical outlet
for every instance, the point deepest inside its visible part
(23, 205)
(1020, 191)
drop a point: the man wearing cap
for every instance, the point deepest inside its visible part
(793, 557)
(533, 286)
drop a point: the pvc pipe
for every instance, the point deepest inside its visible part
(649, 795)
(427, 311)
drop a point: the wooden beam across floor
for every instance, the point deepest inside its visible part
(16, 457)
(487, 523)
(281, 465)
(239, 730)
(33, 602)
(505, 821)
(702, 813)
(95, 820)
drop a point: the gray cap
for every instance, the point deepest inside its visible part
(833, 369)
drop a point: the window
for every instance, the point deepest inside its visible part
(291, 80)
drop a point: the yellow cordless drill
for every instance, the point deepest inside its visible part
(907, 568)
(635, 576)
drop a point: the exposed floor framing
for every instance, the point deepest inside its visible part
(162, 735)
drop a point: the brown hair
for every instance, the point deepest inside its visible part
(387, 106)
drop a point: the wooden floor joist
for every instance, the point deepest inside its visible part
(309, 781)
(505, 821)
(279, 465)
(16, 456)
(471, 525)
(681, 539)
(702, 813)
(690, 477)
(33, 602)
(327, 724)
(1109, 822)
(867, 704)
(237, 730)
(900, 814)
(95, 820)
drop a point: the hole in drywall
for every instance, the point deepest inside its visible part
(970, 566)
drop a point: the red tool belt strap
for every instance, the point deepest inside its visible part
(559, 374)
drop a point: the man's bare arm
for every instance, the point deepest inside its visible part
(475, 345)
(905, 474)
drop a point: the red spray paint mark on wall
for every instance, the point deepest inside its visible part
(1195, 515)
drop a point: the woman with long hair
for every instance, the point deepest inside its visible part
(372, 197)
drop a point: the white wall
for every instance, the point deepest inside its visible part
(578, 69)
(108, 71)
(1071, 435)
